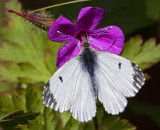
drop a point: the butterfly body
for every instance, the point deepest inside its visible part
(91, 75)
(88, 62)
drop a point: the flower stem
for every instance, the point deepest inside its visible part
(70, 2)
(95, 123)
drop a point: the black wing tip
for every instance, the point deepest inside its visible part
(138, 76)
(48, 98)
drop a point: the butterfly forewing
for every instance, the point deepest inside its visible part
(117, 79)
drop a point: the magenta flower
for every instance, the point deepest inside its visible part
(89, 18)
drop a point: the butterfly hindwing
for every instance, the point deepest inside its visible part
(69, 89)
(118, 78)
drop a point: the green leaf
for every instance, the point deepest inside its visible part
(114, 123)
(18, 103)
(72, 124)
(109, 122)
(33, 100)
(6, 106)
(85, 126)
(132, 47)
(145, 55)
(19, 117)
(4, 86)
(65, 116)
(28, 57)
(25, 56)
(37, 124)
(49, 119)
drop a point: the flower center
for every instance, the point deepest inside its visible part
(81, 36)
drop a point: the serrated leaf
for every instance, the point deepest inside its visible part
(109, 122)
(145, 55)
(65, 116)
(19, 117)
(33, 100)
(6, 106)
(149, 54)
(49, 119)
(72, 124)
(114, 123)
(25, 52)
(34, 103)
(29, 57)
(132, 47)
(20, 73)
(18, 103)
(37, 124)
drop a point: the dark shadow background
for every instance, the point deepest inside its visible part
(131, 17)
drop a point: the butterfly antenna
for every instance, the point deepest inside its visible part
(101, 34)
(69, 37)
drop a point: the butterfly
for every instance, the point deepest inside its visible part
(89, 76)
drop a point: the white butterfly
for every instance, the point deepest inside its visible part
(91, 75)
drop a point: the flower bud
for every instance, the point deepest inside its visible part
(40, 21)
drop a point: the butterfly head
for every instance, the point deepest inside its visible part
(86, 44)
(85, 41)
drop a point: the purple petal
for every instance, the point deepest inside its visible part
(66, 52)
(110, 39)
(66, 30)
(89, 18)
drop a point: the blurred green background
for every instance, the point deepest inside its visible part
(28, 58)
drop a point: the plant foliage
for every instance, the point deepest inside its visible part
(144, 54)
(27, 61)
(11, 120)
